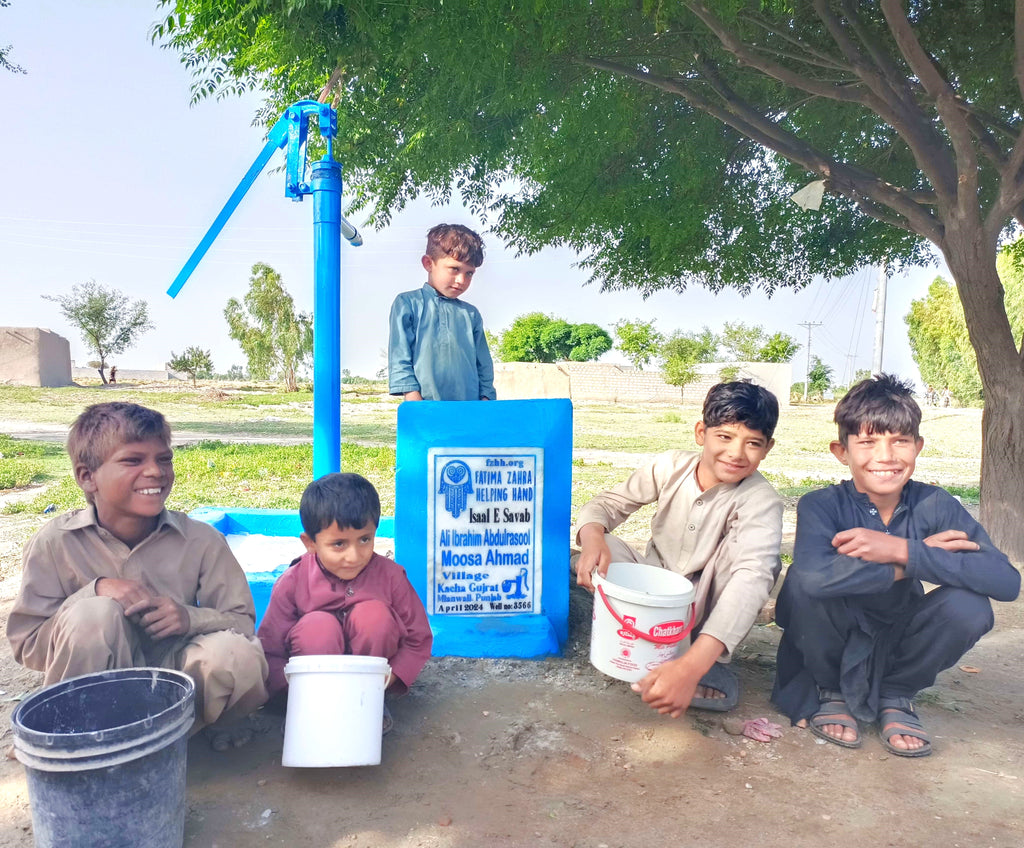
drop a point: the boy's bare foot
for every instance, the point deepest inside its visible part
(236, 733)
(708, 692)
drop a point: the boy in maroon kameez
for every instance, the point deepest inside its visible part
(340, 597)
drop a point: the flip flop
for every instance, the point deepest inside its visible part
(724, 680)
(896, 717)
(833, 710)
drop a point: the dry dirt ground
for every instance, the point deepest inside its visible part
(552, 753)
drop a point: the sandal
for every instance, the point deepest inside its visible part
(723, 680)
(896, 717)
(833, 710)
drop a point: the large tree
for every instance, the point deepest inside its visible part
(108, 321)
(663, 139)
(275, 339)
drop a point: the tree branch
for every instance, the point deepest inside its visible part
(848, 180)
(332, 83)
(905, 116)
(1011, 190)
(745, 56)
(805, 51)
(945, 103)
(894, 77)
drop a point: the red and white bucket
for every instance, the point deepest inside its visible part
(643, 616)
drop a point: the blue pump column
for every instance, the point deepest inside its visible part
(326, 186)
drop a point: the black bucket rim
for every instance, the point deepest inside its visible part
(43, 749)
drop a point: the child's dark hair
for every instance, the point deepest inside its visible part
(346, 499)
(103, 427)
(741, 402)
(880, 404)
(456, 241)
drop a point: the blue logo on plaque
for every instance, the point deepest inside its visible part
(456, 484)
(521, 581)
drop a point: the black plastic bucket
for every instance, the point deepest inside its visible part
(105, 756)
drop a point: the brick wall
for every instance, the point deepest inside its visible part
(594, 381)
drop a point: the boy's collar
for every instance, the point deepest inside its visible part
(438, 294)
(865, 499)
(87, 518)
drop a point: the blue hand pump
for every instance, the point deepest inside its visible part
(291, 130)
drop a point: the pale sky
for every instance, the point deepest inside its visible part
(109, 174)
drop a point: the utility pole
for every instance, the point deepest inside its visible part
(807, 373)
(878, 307)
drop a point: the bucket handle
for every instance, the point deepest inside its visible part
(647, 637)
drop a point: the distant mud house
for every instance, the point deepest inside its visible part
(31, 356)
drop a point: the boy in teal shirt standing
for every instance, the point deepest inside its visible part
(436, 348)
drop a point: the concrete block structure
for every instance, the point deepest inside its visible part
(600, 383)
(32, 356)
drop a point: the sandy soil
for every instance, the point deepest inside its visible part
(553, 753)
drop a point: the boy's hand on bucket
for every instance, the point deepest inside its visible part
(160, 617)
(595, 555)
(669, 688)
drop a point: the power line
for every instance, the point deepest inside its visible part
(810, 325)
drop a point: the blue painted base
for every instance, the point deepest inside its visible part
(266, 522)
(526, 636)
(475, 428)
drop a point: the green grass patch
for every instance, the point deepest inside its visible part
(26, 463)
(241, 475)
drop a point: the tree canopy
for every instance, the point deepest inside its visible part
(110, 324)
(747, 343)
(663, 140)
(274, 338)
(639, 341)
(537, 337)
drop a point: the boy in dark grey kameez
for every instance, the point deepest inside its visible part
(862, 637)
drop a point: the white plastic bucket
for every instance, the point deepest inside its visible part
(335, 710)
(643, 616)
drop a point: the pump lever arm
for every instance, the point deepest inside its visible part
(276, 139)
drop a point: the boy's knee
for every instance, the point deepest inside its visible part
(371, 615)
(225, 656)
(962, 611)
(90, 618)
(317, 632)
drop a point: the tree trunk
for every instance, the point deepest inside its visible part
(972, 262)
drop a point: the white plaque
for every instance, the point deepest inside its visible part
(484, 509)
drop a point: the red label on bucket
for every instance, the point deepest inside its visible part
(668, 628)
(629, 620)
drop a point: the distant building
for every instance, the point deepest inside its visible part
(31, 356)
(600, 382)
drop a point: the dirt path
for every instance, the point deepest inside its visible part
(552, 753)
